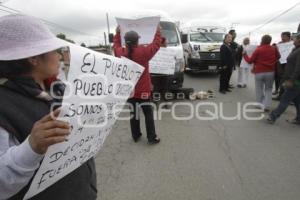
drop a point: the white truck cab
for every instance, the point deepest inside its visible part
(202, 47)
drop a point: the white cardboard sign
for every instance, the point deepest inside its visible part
(98, 87)
(163, 62)
(145, 27)
(285, 49)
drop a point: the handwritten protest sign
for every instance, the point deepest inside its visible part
(285, 49)
(145, 27)
(98, 86)
(163, 62)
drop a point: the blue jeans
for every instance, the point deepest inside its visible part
(290, 95)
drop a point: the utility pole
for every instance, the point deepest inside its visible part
(108, 32)
(105, 42)
(298, 31)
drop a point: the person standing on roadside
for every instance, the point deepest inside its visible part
(264, 59)
(285, 38)
(235, 47)
(227, 64)
(140, 54)
(291, 85)
(28, 126)
(244, 67)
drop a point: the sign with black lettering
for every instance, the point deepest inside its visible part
(285, 49)
(97, 88)
(164, 62)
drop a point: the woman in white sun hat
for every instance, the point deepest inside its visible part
(28, 58)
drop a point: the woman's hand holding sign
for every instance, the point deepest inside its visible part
(48, 131)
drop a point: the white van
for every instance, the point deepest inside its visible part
(172, 35)
(202, 47)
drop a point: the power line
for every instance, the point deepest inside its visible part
(3, 1)
(7, 11)
(10, 12)
(14, 11)
(276, 17)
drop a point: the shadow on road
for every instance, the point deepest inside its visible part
(206, 75)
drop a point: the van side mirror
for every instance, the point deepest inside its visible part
(111, 38)
(184, 38)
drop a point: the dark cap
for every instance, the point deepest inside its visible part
(131, 37)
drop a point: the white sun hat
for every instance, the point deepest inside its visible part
(23, 36)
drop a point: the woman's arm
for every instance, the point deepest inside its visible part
(117, 43)
(252, 58)
(152, 48)
(18, 163)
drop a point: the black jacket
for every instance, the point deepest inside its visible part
(19, 110)
(227, 56)
(292, 67)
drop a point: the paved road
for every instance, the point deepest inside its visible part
(204, 160)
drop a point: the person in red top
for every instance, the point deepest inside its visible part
(140, 54)
(264, 58)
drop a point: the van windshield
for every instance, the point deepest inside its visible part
(207, 37)
(169, 31)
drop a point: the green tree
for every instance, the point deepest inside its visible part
(64, 37)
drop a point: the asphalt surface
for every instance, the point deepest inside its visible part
(204, 160)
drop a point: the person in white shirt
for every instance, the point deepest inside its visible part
(244, 68)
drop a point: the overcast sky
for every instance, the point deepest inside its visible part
(87, 18)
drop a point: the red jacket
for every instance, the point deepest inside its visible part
(142, 55)
(264, 58)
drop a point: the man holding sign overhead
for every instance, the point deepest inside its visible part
(142, 55)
